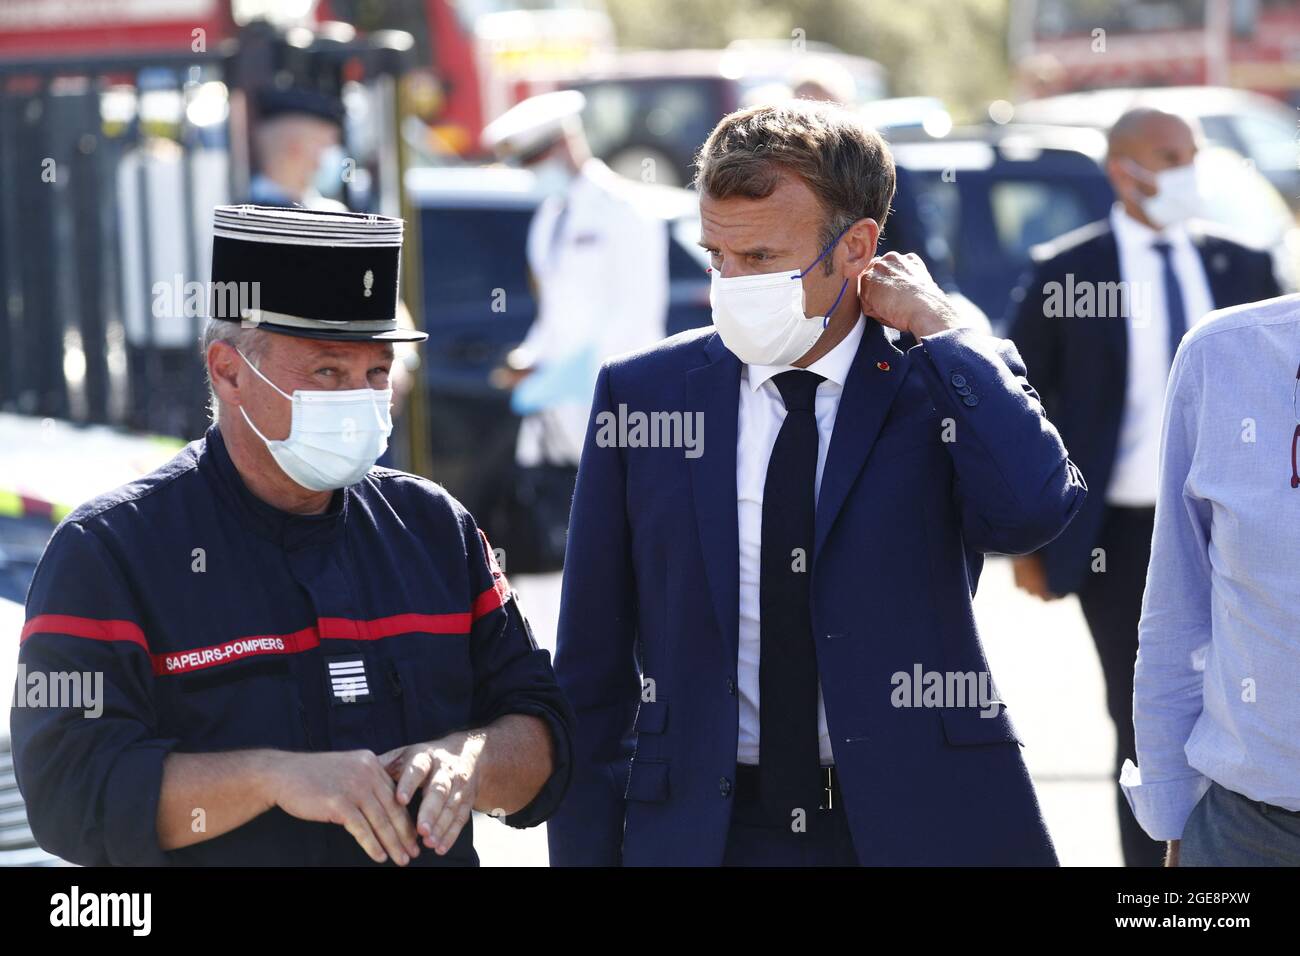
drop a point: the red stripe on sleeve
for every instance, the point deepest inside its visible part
(346, 629)
(488, 601)
(84, 627)
(495, 596)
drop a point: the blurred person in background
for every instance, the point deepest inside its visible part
(599, 263)
(301, 162)
(825, 80)
(1098, 324)
(1215, 702)
(298, 150)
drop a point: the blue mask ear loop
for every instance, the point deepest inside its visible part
(827, 319)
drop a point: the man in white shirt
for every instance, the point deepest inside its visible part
(1098, 325)
(599, 258)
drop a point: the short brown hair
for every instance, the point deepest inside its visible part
(842, 160)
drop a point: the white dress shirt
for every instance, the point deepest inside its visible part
(761, 413)
(1133, 482)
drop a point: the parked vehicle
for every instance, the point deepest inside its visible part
(989, 194)
(657, 107)
(1258, 127)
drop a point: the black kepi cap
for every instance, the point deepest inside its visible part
(293, 100)
(310, 273)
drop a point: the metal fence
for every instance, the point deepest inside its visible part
(111, 165)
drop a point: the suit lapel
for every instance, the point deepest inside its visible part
(874, 378)
(714, 390)
(1218, 274)
(1114, 329)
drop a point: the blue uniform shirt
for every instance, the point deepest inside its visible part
(221, 623)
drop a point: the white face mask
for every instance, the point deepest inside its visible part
(335, 437)
(553, 176)
(761, 317)
(1178, 193)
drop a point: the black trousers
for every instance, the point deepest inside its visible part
(1112, 605)
(757, 838)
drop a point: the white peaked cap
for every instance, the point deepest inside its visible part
(533, 123)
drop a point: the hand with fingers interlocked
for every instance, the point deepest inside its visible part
(446, 771)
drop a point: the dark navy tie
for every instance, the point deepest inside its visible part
(787, 664)
(1174, 309)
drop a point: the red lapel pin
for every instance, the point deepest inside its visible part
(883, 366)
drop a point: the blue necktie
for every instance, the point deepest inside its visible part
(789, 756)
(1174, 309)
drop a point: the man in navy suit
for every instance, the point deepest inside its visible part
(766, 627)
(1098, 324)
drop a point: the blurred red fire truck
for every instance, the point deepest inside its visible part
(1060, 46)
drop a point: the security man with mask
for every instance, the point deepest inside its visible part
(1102, 372)
(598, 253)
(306, 659)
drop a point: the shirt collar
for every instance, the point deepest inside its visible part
(1130, 232)
(264, 190)
(833, 366)
(285, 528)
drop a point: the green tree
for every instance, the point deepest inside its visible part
(952, 49)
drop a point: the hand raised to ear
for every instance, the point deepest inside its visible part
(897, 291)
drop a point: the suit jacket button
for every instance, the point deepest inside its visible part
(964, 390)
(971, 401)
(724, 787)
(731, 686)
(958, 379)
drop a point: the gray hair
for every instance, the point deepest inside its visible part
(248, 339)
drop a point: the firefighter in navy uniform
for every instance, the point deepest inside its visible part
(306, 659)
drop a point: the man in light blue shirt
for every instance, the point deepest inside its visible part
(1216, 702)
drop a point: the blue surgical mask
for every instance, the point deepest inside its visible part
(329, 171)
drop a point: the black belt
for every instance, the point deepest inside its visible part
(1260, 804)
(747, 785)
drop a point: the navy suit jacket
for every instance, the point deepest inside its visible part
(649, 618)
(1080, 362)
